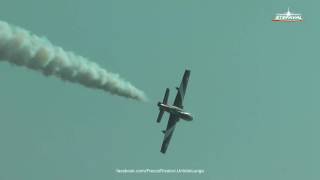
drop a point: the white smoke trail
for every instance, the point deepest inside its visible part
(20, 47)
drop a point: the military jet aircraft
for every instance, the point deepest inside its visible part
(176, 111)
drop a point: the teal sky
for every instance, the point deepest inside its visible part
(254, 91)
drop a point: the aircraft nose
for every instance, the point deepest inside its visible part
(189, 117)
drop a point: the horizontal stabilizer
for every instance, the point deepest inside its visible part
(164, 101)
(160, 116)
(166, 95)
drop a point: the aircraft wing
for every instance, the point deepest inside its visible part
(182, 90)
(168, 132)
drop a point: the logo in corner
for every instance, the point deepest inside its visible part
(288, 17)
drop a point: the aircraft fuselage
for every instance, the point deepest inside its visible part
(176, 111)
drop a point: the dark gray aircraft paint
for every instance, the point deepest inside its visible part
(175, 110)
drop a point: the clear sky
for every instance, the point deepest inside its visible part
(254, 91)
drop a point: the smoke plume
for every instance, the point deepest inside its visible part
(20, 47)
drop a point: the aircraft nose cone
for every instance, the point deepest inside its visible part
(189, 117)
